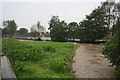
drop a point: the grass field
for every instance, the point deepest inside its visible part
(35, 59)
(0, 45)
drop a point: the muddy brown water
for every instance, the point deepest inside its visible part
(90, 63)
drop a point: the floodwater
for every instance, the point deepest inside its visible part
(90, 63)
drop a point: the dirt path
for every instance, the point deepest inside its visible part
(90, 63)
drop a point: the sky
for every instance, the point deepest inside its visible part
(27, 12)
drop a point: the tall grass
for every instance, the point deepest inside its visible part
(35, 59)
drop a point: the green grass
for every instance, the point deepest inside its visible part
(23, 38)
(0, 45)
(35, 59)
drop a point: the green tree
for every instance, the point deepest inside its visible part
(94, 27)
(53, 22)
(111, 11)
(112, 47)
(86, 31)
(23, 32)
(5, 32)
(58, 29)
(10, 27)
(72, 30)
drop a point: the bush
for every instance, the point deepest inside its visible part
(117, 73)
(112, 49)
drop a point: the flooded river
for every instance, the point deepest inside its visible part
(90, 63)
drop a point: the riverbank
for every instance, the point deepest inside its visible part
(39, 59)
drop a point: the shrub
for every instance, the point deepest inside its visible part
(117, 73)
(112, 49)
(49, 49)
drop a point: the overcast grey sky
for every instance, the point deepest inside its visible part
(28, 13)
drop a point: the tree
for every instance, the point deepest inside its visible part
(58, 29)
(72, 28)
(5, 32)
(111, 11)
(94, 27)
(10, 27)
(53, 22)
(35, 29)
(112, 47)
(22, 32)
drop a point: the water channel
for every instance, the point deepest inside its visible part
(90, 63)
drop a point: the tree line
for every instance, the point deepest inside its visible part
(96, 26)
(10, 30)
